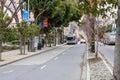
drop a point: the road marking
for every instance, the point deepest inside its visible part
(43, 67)
(111, 71)
(56, 58)
(6, 72)
(88, 67)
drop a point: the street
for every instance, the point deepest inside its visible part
(63, 63)
(108, 52)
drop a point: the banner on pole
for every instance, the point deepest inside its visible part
(31, 17)
(45, 23)
(25, 15)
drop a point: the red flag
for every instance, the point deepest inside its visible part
(45, 23)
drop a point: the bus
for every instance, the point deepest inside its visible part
(71, 39)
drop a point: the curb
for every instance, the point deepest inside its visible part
(88, 68)
(27, 56)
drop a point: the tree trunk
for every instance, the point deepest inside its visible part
(117, 47)
(0, 50)
(33, 49)
(22, 45)
(55, 37)
(31, 44)
(92, 21)
(49, 40)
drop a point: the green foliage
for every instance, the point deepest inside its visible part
(4, 19)
(10, 34)
(33, 30)
(28, 30)
(59, 30)
(58, 12)
(10, 47)
(109, 28)
(22, 28)
(97, 7)
(15, 42)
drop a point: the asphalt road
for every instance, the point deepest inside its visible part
(108, 52)
(63, 63)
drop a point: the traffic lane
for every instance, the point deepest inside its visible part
(108, 52)
(65, 66)
(14, 70)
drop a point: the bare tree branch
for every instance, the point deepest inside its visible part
(14, 14)
(7, 7)
(42, 10)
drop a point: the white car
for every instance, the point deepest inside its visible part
(110, 39)
(82, 41)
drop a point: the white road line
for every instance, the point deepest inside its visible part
(6, 72)
(56, 58)
(111, 71)
(88, 68)
(43, 67)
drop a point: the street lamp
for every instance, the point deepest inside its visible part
(28, 8)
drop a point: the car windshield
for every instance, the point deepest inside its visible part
(112, 36)
(70, 38)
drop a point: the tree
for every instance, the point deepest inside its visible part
(22, 29)
(4, 19)
(117, 46)
(94, 9)
(33, 30)
(117, 43)
(58, 12)
(27, 31)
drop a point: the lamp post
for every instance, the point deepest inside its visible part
(28, 8)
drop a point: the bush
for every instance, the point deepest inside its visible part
(16, 42)
(10, 47)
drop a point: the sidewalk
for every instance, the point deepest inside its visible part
(96, 68)
(14, 55)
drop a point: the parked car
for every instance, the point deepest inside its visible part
(110, 39)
